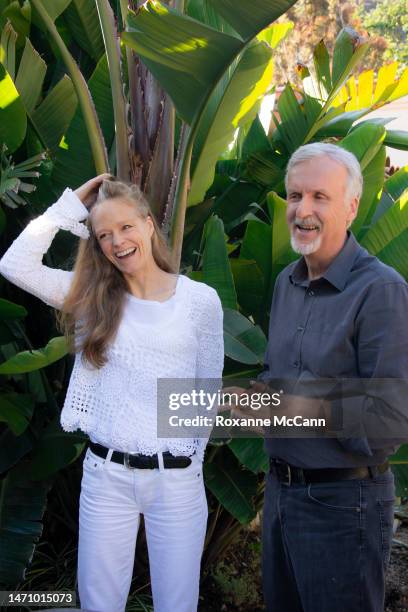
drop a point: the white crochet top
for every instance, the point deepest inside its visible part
(179, 338)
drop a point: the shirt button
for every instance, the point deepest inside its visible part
(296, 364)
(311, 293)
(300, 328)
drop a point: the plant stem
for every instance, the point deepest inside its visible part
(112, 48)
(180, 199)
(84, 97)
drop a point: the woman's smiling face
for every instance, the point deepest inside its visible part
(124, 236)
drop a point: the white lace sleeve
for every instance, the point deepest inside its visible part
(210, 355)
(22, 262)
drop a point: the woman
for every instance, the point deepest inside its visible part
(135, 322)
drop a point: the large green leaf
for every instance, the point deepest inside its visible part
(398, 139)
(402, 87)
(30, 77)
(27, 361)
(249, 283)
(233, 202)
(8, 48)
(231, 485)
(388, 237)
(96, 142)
(187, 57)
(396, 184)
(263, 168)
(393, 189)
(204, 11)
(233, 104)
(55, 450)
(8, 310)
(13, 119)
(257, 245)
(293, 124)
(19, 17)
(348, 52)
(321, 60)
(251, 453)
(53, 7)
(239, 102)
(52, 118)
(255, 140)
(364, 142)
(249, 18)
(74, 164)
(83, 22)
(373, 177)
(16, 410)
(216, 268)
(390, 225)
(53, 115)
(340, 125)
(243, 341)
(22, 505)
(370, 90)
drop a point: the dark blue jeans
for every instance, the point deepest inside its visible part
(326, 546)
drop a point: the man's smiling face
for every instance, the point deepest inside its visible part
(318, 213)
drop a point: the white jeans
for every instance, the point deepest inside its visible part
(175, 512)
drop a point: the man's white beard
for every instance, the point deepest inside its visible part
(305, 249)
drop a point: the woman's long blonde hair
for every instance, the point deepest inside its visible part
(93, 308)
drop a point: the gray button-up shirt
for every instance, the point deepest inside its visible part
(350, 323)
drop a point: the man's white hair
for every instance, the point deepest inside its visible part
(354, 187)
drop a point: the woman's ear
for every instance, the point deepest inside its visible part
(149, 220)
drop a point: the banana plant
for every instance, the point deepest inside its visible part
(164, 88)
(256, 246)
(208, 68)
(114, 107)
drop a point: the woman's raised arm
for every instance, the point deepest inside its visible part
(22, 262)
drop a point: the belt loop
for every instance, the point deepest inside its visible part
(160, 460)
(108, 456)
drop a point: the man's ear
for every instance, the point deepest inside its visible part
(353, 210)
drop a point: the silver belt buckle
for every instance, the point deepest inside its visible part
(126, 460)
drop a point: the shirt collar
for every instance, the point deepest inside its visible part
(338, 271)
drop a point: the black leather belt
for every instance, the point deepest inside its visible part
(288, 474)
(141, 462)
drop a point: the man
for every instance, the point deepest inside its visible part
(337, 313)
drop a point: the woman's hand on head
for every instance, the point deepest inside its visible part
(88, 192)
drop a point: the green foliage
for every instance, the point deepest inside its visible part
(214, 63)
(27, 361)
(12, 176)
(390, 21)
(22, 504)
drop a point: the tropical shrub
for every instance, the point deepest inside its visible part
(160, 110)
